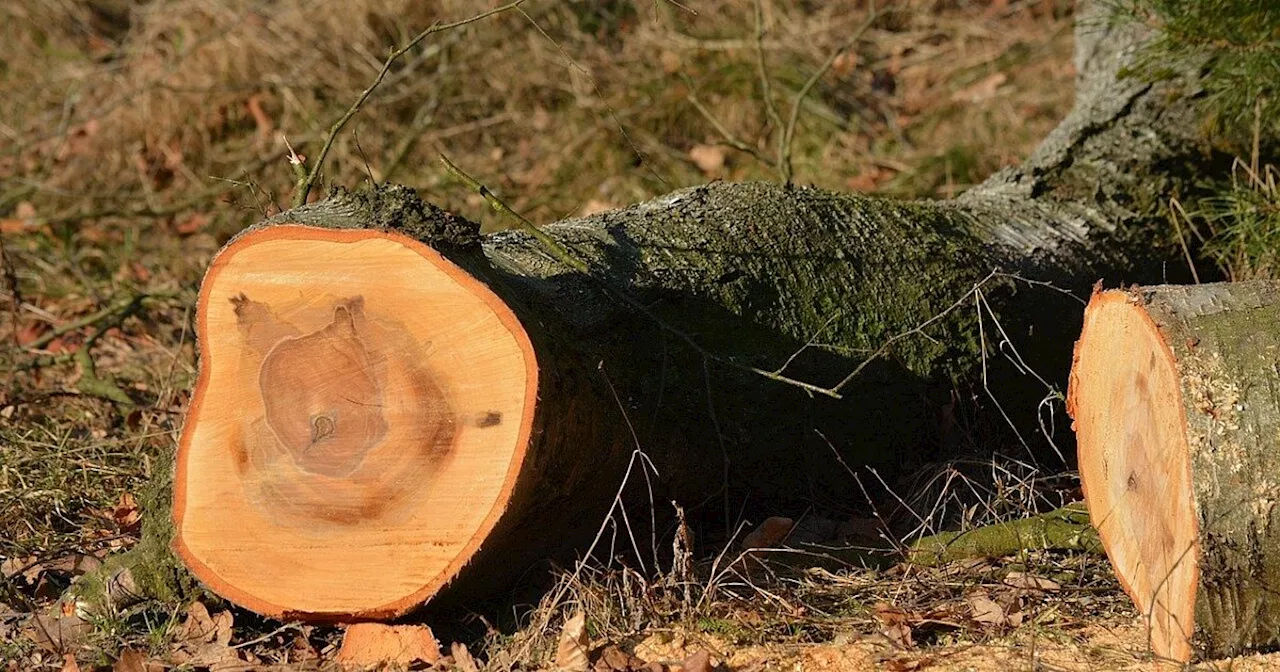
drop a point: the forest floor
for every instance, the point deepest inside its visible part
(137, 137)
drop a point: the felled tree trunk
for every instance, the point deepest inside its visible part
(1175, 394)
(315, 317)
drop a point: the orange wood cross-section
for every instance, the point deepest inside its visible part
(361, 415)
(1135, 467)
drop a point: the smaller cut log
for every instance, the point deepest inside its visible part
(1175, 394)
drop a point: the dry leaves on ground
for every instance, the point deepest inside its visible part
(204, 640)
(571, 648)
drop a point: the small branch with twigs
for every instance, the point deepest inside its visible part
(90, 382)
(766, 88)
(307, 178)
(786, 130)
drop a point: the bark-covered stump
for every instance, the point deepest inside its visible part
(1175, 393)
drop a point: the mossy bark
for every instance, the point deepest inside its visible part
(1064, 529)
(735, 276)
(148, 571)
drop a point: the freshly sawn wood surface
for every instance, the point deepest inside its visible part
(359, 395)
(1175, 392)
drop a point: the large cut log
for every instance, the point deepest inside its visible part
(361, 310)
(1175, 392)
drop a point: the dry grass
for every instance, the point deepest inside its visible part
(137, 137)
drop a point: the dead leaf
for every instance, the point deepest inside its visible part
(132, 660)
(985, 610)
(571, 649)
(300, 647)
(78, 140)
(870, 178)
(904, 664)
(199, 626)
(126, 515)
(845, 64)
(140, 272)
(25, 210)
(462, 658)
(708, 158)
(671, 62)
(30, 332)
(698, 662)
(16, 225)
(895, 624)
(192, 223)
(57, 632)
(771, 532)
(541, 118)
(69, 663)
(614, 659)
(1029, 582)
(222, 622)
(75, 564)
(28, 566)
(204, 641)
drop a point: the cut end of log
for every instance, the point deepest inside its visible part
(362, 411)
(1126, 400)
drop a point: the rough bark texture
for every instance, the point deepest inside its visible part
(753, 272)
(1225, 339)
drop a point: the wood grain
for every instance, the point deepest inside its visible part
(362, 411)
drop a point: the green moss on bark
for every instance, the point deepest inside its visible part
(150, 570)
(1065, 529)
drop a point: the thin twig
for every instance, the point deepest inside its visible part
(1175, 209)
(727, 136)
(421, 119)
(90, 382)
(126, 306)
(641, 158)
(305, 185)
(784, 148)
(166, 211)
(560, 252)
(766, 88)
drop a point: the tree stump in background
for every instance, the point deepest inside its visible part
(1175, 393)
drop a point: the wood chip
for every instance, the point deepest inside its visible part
(371, 644)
